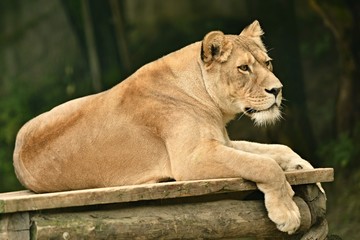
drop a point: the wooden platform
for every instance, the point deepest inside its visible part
(214, 208)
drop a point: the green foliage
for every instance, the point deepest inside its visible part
(343, 203)
(8, 180)
(339, 152)
(14, 112)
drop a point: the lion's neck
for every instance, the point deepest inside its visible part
(188, 76)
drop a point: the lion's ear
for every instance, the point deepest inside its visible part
(215, 47)
(254, 32)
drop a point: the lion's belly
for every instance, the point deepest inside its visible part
(92, 150)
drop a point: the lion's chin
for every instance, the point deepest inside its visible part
(269, 116)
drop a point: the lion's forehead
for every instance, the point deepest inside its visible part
(250, 57)
(248, 48)
(254, 53)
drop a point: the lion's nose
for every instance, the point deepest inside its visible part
(274, 91)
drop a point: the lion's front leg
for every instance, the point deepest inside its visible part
(287, 159)
(283, 155)
(211, 159)
(281, 206)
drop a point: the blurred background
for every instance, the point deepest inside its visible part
(54, 51)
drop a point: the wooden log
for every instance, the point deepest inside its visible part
(316, 200)
(15, 226)
(28, 201)
(318, 231)
(209, 220)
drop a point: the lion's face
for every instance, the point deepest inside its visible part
(238, 75)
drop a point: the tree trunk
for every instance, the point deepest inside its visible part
(91, 47)
(341, 25)
(120, 35)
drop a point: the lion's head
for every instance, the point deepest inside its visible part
(238, 74)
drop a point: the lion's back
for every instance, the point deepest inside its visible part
(85, 142)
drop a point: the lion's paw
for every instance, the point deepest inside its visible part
(298, 164)
(283, 211)
(286, 217)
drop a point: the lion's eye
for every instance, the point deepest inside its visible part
(244, 68)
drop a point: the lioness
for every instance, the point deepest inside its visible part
(167, 121)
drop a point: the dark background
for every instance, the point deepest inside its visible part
(54, 51)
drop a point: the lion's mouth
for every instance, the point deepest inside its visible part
(250, 111)
(264, 116)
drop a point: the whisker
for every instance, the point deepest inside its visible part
(283, 105)
(241, 116)
(282, 113)
(246, 111)
(282, 116)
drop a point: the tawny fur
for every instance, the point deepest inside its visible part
(167, 121)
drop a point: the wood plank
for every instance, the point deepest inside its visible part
(209, 220)
(27, 201)
(310, 176)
